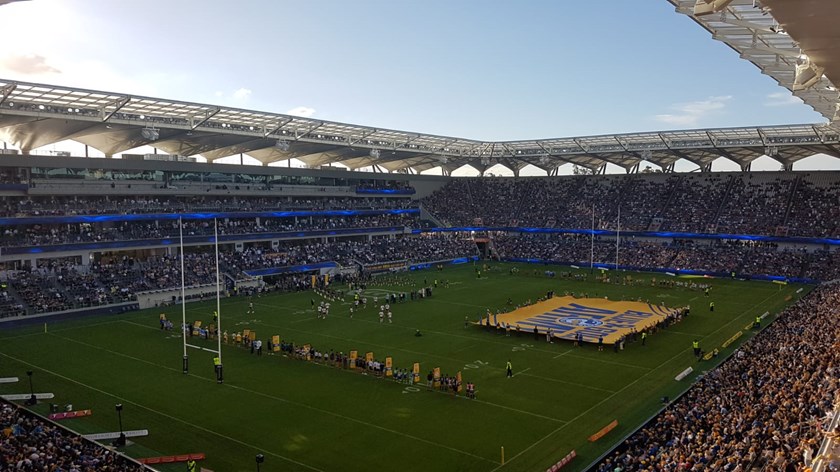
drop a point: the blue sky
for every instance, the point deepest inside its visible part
(488, 70)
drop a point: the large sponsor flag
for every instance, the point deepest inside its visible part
(590, 317)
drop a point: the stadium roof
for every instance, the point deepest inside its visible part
(34, 115)
(777, 36)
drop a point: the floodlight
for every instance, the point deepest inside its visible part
(807, 74)
(374, 153)
(150, 134)
(444, 159)
(282, 145)
(707, 7)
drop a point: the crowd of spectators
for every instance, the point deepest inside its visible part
(815, 208)
(135, 204)
(64, 284)
(756, 203)
(745, 258)
(9, 306)
(29, 443)
(52, 234)
(784, 204)
(763, 409)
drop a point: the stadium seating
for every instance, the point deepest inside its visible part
(31, 443)
(58, 285)
(769, 203)
(761, 203)
(763, 409)
(746, 259)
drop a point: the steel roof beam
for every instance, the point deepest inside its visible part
(118, 105)
(277, 128)
(5, 91)
(209, 114)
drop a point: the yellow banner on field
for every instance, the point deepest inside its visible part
(314, 281)
(252, 335)
(353, 356)
(389, 367)
(415, 376)
(458, 378)
(436, 375)
(326, 279)
(590, 318)
(275, 343)
(369, 356)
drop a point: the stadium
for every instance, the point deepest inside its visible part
(216, 288)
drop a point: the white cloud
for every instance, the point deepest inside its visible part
(242, 93)
(782, 99)
(305, 112)
(28, 64)
(690, 113)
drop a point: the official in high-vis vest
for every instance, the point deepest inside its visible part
(217, 367)
(191, 466)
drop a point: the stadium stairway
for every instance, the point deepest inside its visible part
(17, 298)
(672, 194)
(723, 201)
(427, 215)
(791, 199)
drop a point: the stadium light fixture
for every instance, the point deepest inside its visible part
(707, 7)
(150, 133)
(282, 145)
(374, 153)
(807, 74)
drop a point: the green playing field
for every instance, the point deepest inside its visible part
(312, 416)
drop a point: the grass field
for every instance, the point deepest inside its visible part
(309, 417)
